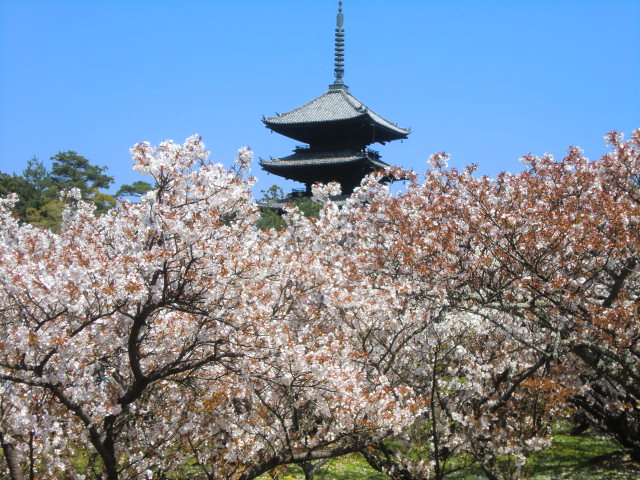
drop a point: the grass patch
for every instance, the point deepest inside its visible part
(349, 467)
(570, 453)
(569, 458)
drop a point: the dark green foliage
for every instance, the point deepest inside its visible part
(273, 194)
(272, 204)
(16, 184)
(270, 218)
(270, 215)
(39, 188)
(136, 189)
(36, 174)
(39, 202)
(308, 207)
(70, 170)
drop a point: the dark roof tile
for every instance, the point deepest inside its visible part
(334, 105)
(310, 157)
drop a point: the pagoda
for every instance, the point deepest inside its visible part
(336, 128)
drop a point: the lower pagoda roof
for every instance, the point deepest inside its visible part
(307, 157)
(324, 118)
(347, 166)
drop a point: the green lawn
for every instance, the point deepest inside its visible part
(586, 457)
(582, 457)
(351, 467)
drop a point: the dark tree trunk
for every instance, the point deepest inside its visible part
(624, 426)
(13, 462)
(381, 459)
(309, 470)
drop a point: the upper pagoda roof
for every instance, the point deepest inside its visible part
(335, 106)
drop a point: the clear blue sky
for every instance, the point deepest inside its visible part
(486, 81)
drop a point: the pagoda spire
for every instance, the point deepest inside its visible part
(339, 55)
(336, 128)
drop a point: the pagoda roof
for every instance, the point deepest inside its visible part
(335, 106)
(347, 166)
(308, 157)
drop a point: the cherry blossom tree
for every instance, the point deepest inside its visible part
(447, 324)
(546, 258)
(549, 257)
(557, 247)
(172, 331)
(482, 394)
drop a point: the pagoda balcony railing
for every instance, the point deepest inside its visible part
(363, 151)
